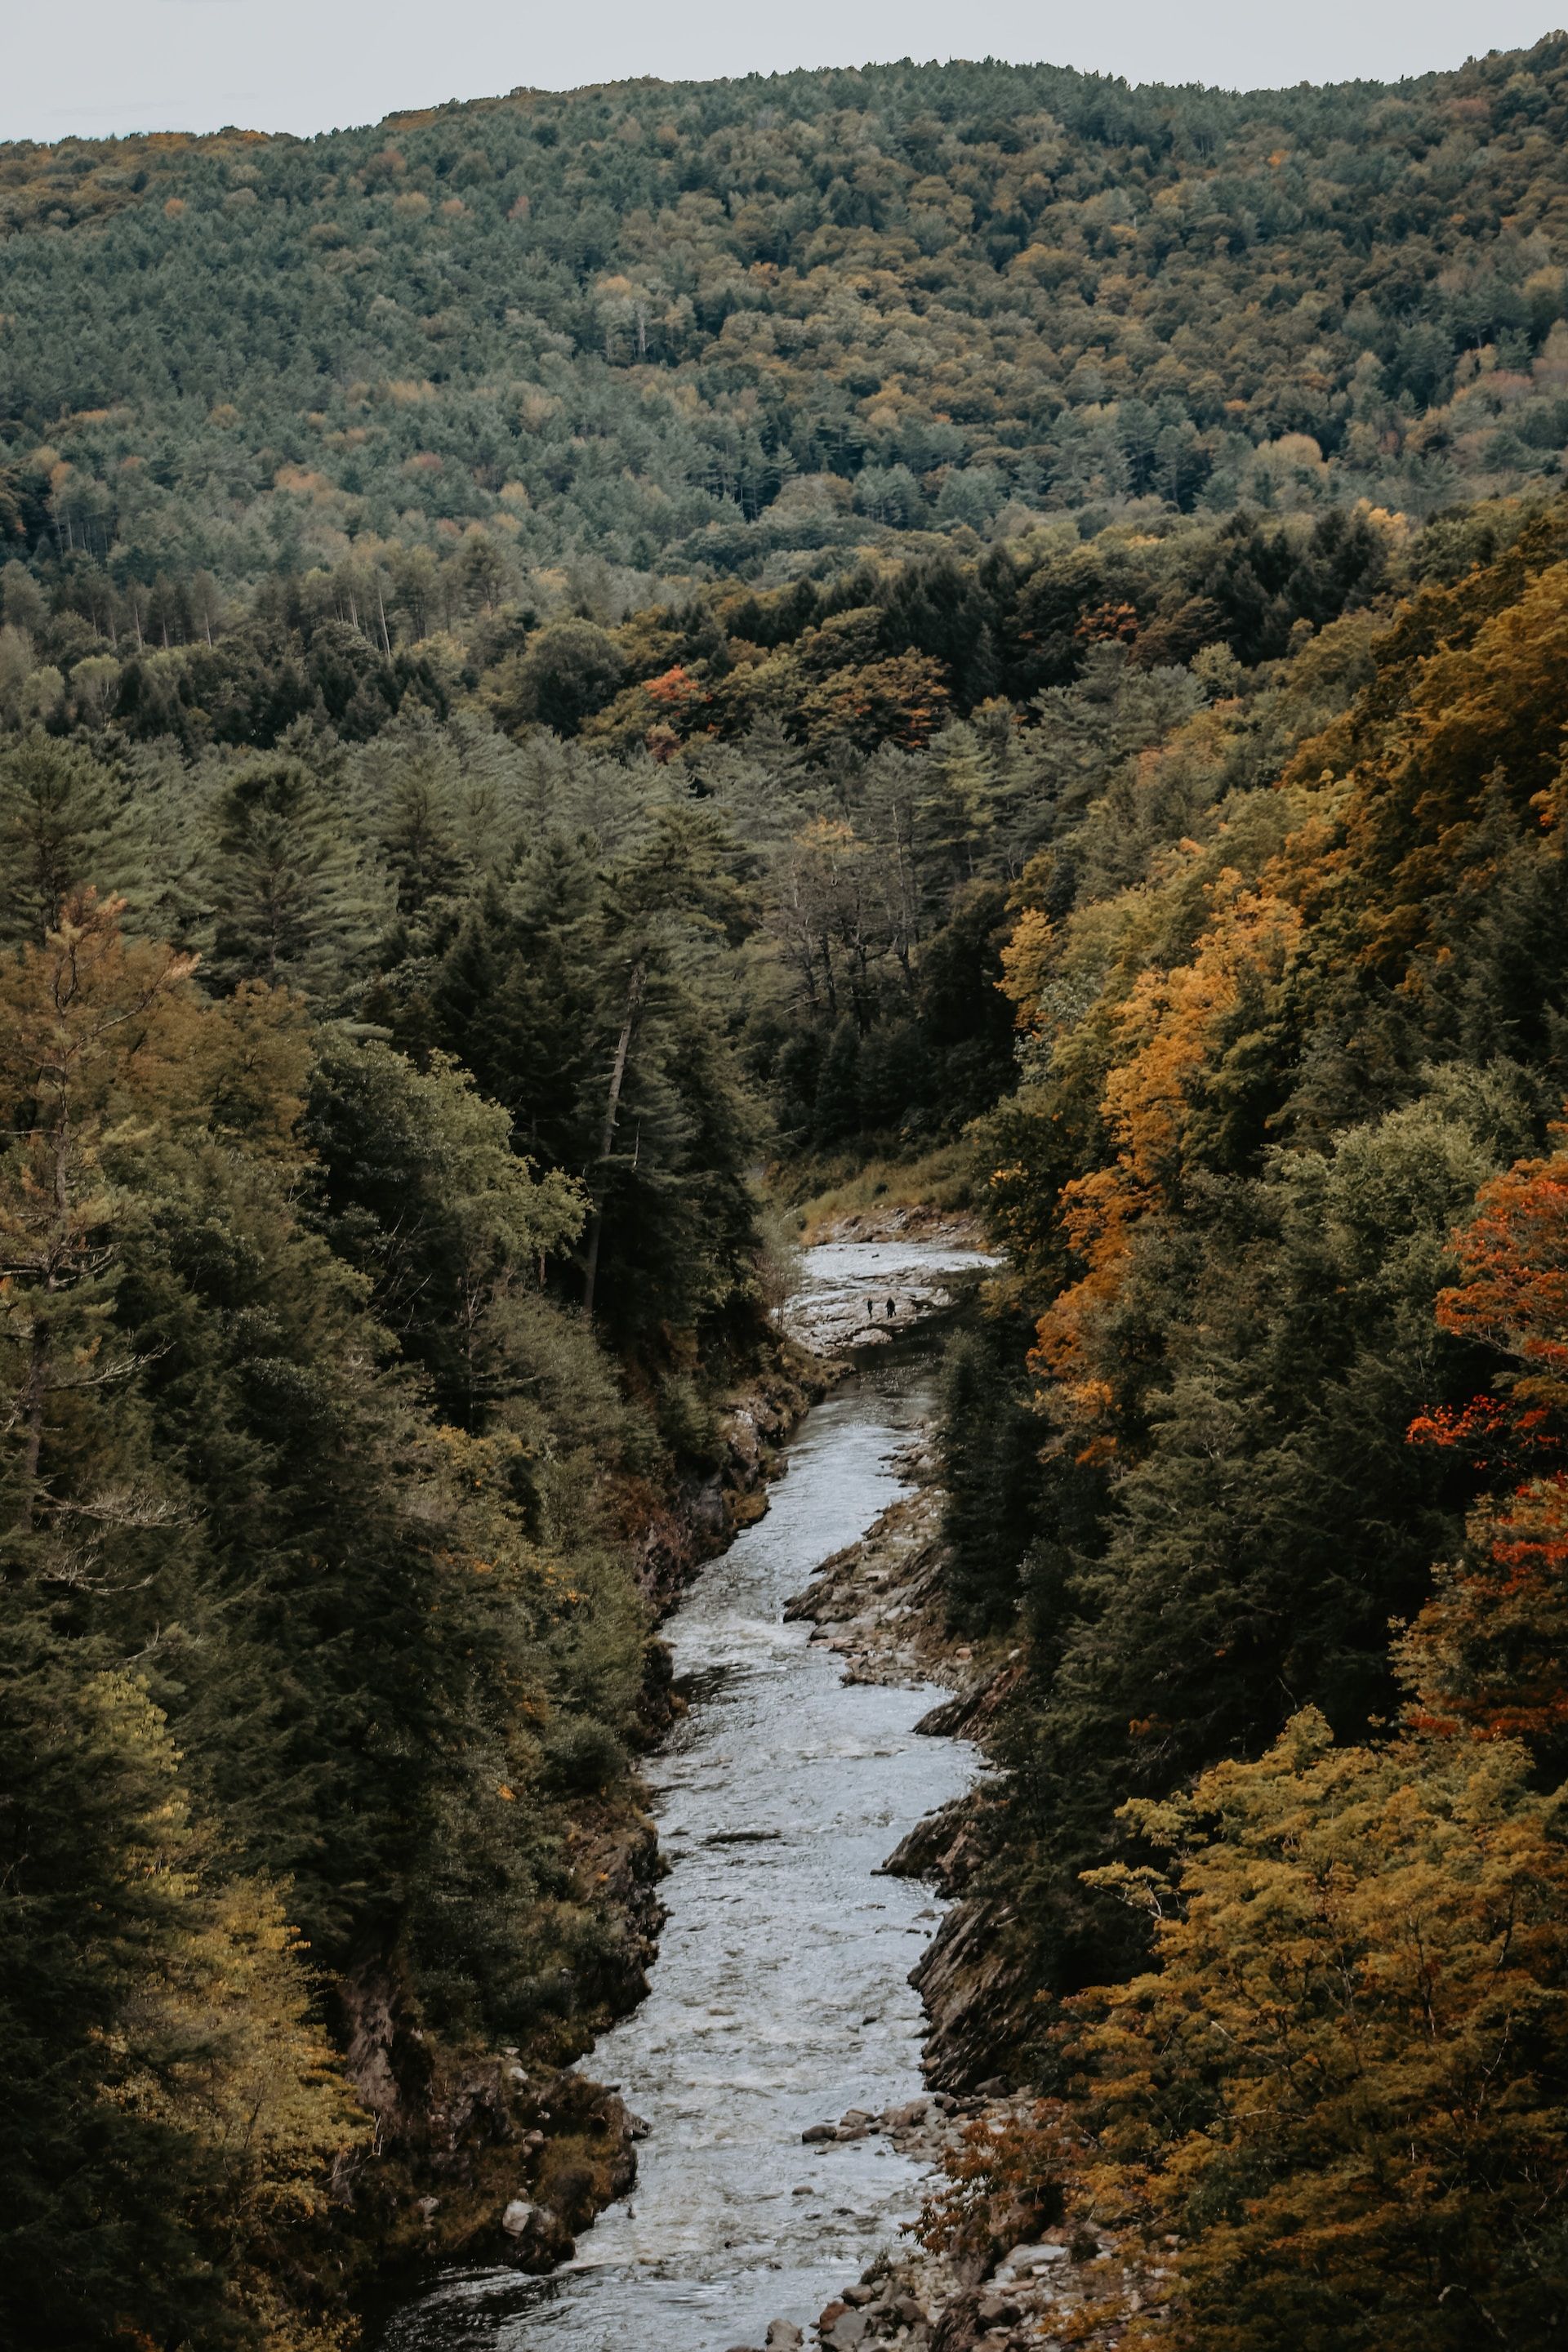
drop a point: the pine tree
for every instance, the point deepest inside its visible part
(55, 809)
(295, 899)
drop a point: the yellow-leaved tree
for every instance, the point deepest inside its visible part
(1343, 2087)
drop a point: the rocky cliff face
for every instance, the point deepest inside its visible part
(475, 2155)
(678, 1533)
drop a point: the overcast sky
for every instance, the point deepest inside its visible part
(104, 65)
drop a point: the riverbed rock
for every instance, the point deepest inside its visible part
(1024, 2260)
(819, 2132)
(782, 2336)
(998, 2308)
(519, 2218)
(976, 1990)
(950, 1847)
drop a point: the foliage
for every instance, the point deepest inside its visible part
(1275, 1202)
(216, 1475)
(1000, 2185)
(1485, 1656)
(918, 621)
(745, 327)
(1341, 2087)
(174, 2113)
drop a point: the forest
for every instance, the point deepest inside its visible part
(573, 669)
(732, 330)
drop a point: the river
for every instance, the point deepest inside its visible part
(780, 1996)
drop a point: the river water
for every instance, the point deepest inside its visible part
(780, 1996)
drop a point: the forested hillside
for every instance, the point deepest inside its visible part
(734, 327)
(1263, 1449)
(561, 654)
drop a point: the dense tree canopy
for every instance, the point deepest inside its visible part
(559, 651)
(745, 326)
(1286, 1256)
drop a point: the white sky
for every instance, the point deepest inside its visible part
(103, 65)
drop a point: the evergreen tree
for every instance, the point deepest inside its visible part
(54, 812)
(97, 2229)
(295, 899)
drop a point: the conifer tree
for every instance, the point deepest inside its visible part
(295, 900)
(55, 809)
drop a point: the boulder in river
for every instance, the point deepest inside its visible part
(782, 2336)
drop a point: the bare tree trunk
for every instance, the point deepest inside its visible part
(54, 1257)
(607, 1135)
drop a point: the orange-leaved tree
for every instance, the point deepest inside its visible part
(1490, 1651)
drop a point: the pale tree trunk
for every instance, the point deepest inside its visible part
(607, 1135)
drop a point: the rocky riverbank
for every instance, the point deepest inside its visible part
(502, 2158)
(879, 1605)
(911, 1221)
(1065, 2284)
(870, 1280)
(673, 1535)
